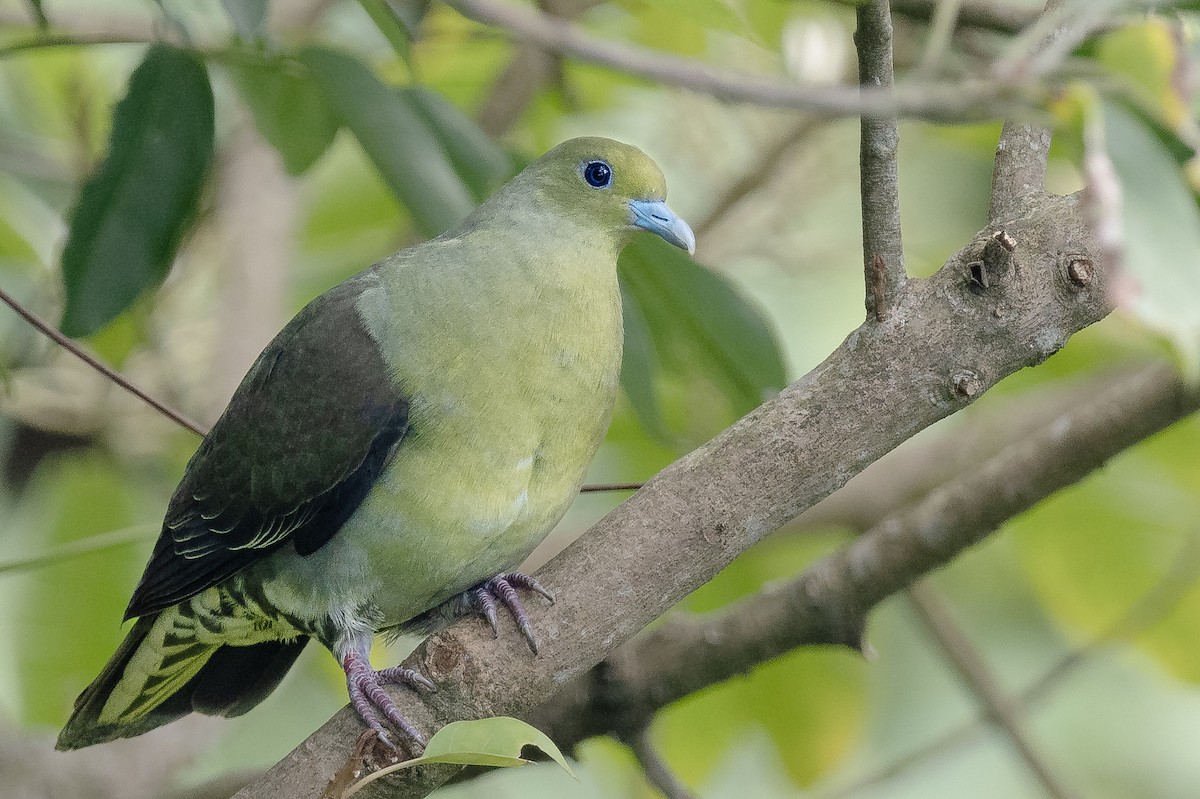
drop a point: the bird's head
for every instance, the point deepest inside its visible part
(609, 183)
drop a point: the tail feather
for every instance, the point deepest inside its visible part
(159, 681)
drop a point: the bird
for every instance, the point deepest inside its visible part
(398, 448)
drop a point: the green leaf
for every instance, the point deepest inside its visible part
(289, 109)
(248, 16)
(390, 24)
(1148, 54)
(496, 741)
(480, 162)
(701, 326)
(639, 365)
(1161, 221)
(134, 209)
(395, 137)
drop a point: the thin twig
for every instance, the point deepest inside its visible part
(83, 546)
(657, 771)
(1023, 148)
(966, 660)
(1162, 598)
(595, 487)
(1057, 32)
(104, 369)
(883, 248)
(981, 14)
(941, 32)
(529, 69)
(765, 167)
(966, 99)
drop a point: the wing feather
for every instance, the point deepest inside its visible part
(304, 438)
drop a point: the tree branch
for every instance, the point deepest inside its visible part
(982, 14)
(657, 771)
(941, 33)
(966, 99)
(765, 167)
(72, 347)
(828, 603)
(1021, 153)
(1162, 598)
(879, 139)
(530, 68)
(1000, 707)
(883, 384)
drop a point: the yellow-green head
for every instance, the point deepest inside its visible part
(597, 181)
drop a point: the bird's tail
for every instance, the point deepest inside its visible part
(159, 674)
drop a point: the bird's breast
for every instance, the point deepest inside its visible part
(505, 418)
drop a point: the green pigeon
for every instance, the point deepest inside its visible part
(405, 441)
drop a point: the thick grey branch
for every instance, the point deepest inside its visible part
(883, 384)
(879, 140)
(829, 602)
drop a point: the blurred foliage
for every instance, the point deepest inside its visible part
(133, 210)
(370, 109)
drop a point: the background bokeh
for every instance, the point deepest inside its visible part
(294, 202)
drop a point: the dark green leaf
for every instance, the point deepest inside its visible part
(638, 369)
(133, 210)
(248, 16)
(395, 137)
(700, 323)
(480, 162)
(289, 109)
(390, 24)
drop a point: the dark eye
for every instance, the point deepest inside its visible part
(598, 174)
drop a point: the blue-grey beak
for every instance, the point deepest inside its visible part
(654, 216)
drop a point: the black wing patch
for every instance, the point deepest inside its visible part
(306, 435)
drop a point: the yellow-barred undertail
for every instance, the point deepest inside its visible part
(401, 444)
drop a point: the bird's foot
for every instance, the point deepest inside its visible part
(370, 701)
(502, 589)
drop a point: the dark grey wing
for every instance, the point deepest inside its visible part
(304, 438)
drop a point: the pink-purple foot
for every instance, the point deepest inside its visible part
(502, 589)
(369, 700)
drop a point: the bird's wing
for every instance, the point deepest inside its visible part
(301, 443)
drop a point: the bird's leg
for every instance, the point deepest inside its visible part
(502, 588)
(369, 700)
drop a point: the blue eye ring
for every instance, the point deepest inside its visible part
(598, 174)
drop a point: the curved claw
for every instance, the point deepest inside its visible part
(519, 580)
(483, 602)
(503, 589)
(365, 686)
